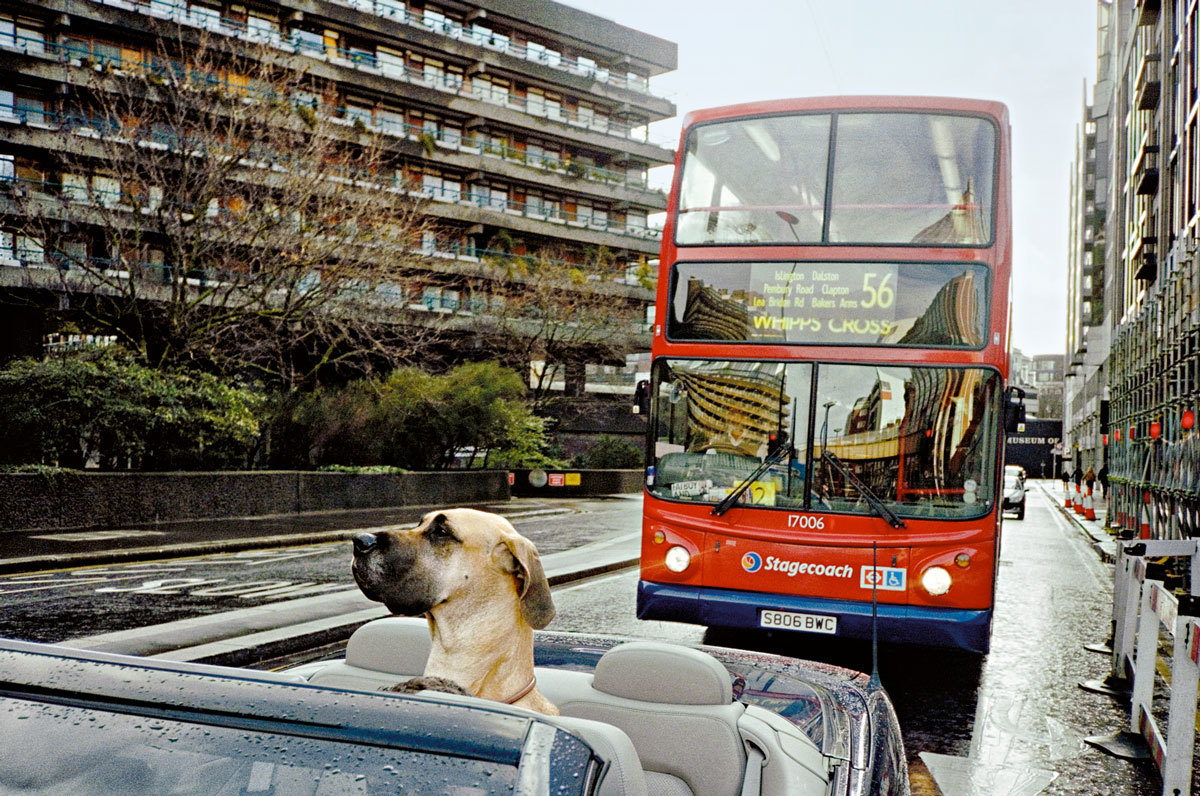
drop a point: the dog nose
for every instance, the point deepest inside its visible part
(365, 542)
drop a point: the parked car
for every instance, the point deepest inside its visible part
(1016, 471)
(636, 715)
(1014, 495)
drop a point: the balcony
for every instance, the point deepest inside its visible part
(1146, 172)
(1148, 86)
(1145, 259)
(1145, 12)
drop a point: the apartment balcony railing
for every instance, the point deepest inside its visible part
(354, 59)
(1148, 85)
(1145, 12)
(119, 200)
(473, 196)
(446, 138)
(1146, 171)
(203, 18)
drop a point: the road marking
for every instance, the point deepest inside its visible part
(1003, 766)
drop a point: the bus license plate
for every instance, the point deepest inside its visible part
(807, 623)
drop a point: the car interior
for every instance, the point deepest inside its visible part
(662, 715)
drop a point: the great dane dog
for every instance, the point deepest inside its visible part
(482, 588)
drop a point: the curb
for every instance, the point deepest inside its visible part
(190, 549)
(1102, 542)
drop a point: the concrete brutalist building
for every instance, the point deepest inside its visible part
(521, 120)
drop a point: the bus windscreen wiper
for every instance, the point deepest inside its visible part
(774, 456)
(874, 502)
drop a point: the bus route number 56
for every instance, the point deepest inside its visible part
(806, 521)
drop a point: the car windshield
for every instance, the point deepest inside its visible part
(897, 177)
(113, 753)
(1011, 482)
(918, 438)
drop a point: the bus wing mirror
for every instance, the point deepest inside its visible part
(1014, 409)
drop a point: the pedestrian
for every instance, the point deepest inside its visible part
(1078, 477)
(1102, 477)
(1066, 478)
(1089, 478)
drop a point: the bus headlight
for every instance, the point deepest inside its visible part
(936, 581)
(678, 559)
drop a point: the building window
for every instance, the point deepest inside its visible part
(262, 27)
(308, 42)
(390, 121)
(8, 168)
(391, 62)
(30, 250)
(75, 187)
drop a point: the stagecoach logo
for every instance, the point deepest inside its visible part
(753, 562)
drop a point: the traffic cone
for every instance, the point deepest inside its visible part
(1077, 504)
(1089, 510)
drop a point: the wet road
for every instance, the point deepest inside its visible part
(1012, 723)
(71, 603)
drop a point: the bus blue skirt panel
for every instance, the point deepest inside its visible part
(909, 624)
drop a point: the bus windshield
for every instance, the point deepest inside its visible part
(920, 439)
(891, 178)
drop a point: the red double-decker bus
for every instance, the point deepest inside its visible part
(830, 352)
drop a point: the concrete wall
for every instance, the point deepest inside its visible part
(575, 483)
(108, 500)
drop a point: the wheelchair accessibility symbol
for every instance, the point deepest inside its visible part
(882, 578)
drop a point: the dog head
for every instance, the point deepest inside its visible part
(453, 554)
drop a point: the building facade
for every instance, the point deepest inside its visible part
(523, 124)
(1146, 103)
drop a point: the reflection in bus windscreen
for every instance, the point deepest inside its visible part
(861, 303)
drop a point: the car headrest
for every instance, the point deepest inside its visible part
(653, 672)
(396, 645)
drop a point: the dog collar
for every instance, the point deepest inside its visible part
(523, 692)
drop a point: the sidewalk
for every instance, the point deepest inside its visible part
(1104, 540)
(252, 636)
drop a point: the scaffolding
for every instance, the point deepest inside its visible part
(1153, 444)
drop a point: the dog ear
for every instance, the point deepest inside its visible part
(537, 607)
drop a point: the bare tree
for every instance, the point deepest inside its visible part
(210, 206)
(562, 314)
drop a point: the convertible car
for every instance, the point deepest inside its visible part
(637, 717)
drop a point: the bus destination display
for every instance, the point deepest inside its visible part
(857, 303)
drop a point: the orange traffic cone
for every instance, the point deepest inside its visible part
(1077, 501)
(1089, 510)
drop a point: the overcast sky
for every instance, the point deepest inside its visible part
(1033, 55)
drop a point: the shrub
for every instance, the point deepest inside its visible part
(418, 421)
(103, 407)
(610, 453)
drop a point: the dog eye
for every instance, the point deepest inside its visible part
(439, 534)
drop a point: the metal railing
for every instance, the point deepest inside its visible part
(181, 13)
(536, 210)
(346, 114)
